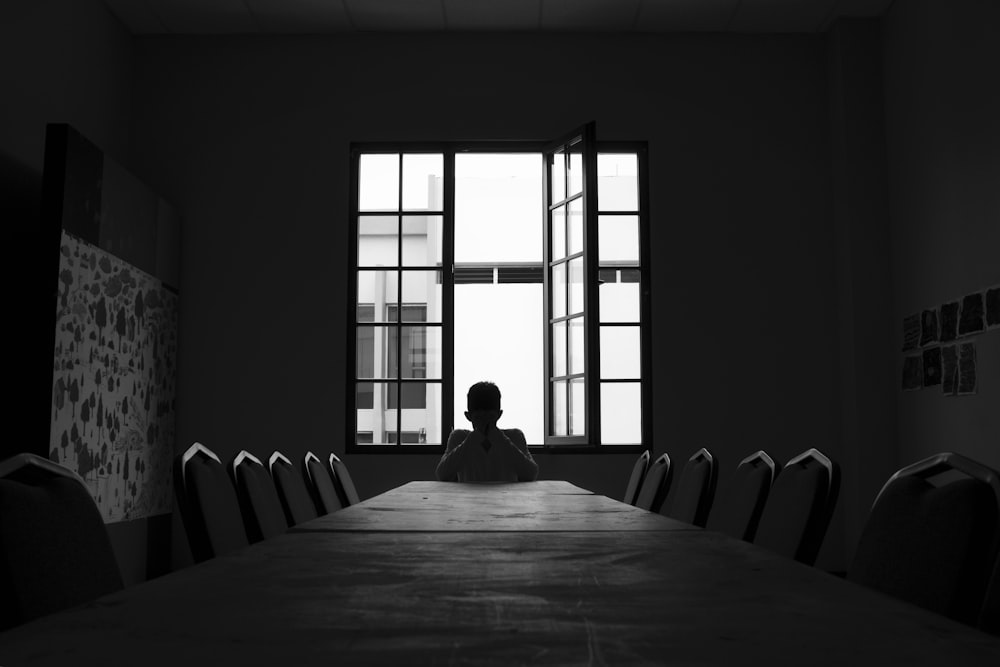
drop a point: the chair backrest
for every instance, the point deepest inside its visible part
(321, 484)
(54, 548)
(799, 506)
(263, 516)
(209, 508)
(695, 489)
(635, 480)
(292, 491)
(348, 494)
(655, 485)
(740, 504)
(933, 545)
(989, 615)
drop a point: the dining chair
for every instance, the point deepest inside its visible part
(695, 489)
(989, 615)
(635, 479)
(209, 508)
(799, 507)
(324, 491)
(54, 548)
(292, 491)
(655, 485)
(345, 485)
(931, 537)
(263, 516)
(741, 502)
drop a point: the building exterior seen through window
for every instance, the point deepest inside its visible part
(449, 273)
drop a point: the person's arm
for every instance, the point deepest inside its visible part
(514, 442)
(454, 455)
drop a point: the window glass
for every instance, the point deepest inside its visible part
(620, 359)
(422, 240)
(618, 238)
(378, 182)
(423, 182)
(621, 413)
(378, 288)
(617, 182)
(378, 240)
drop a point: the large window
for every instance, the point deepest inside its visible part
(473, 262)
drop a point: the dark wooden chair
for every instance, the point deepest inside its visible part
(263, 516)
(741, 502)
(292, 490)
(695, 489)
(934, 545)
(655, 485)
(54, 548)
(345, 485)
(209, 507)
(799, 507)
(321, 483)
(635, 479)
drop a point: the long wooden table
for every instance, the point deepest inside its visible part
(367, 585)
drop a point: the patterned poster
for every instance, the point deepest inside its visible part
(113, 387)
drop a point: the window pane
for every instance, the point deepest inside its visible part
(575, 286)
(574, 234)
(620, 353)
(575, 169)
(498, 207)
(558, 178)
(379, 288)
(422, 288)
(621, 413)
(378, 183)
(577, 411)
(375, 423)
(576, 360)
(558, 287)
(559, 416)
(423, 182)
(421, 425)
(422, 240)
(559, 232)
(373, 360)
(618, 238)
(619, 300)
(498, 337)
(421, 352)
(559, 348)
(617, 182)
(378, 240)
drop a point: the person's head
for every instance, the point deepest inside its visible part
(483, 402)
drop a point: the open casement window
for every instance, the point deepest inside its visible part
(524, 263)
(571, 336)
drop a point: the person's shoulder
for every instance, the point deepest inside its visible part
(516, 435)
(457, 436)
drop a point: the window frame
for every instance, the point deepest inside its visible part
(449, 149)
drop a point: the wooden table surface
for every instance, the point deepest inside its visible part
(402, 597)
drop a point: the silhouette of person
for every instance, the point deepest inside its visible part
(486, 453)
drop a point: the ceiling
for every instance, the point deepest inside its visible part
(145, 17)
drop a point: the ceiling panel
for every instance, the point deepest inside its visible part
(204, 16)
(782, 15)
(300, 16)
(602, 15)
(492, 14)
(685, 15)
(394, 15)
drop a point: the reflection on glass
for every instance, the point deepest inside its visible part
(558, 168)
(378, 182)
(421, 348)
(559, 232)
(575, 169)
(423, 182)
(378, 239)
(378, 290)
(498, 207)
(577, 408)
(422, 240)
(621, 413)
(575, 227)
(576, 359)
(619, 301)
(618, 238)
(372, 344)
(422, 288)
(617, 182)
(558, 286)
(575, 285)
(375, 424)
(559, 348)
(559, 407)
(620, 353)
(421, 425)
